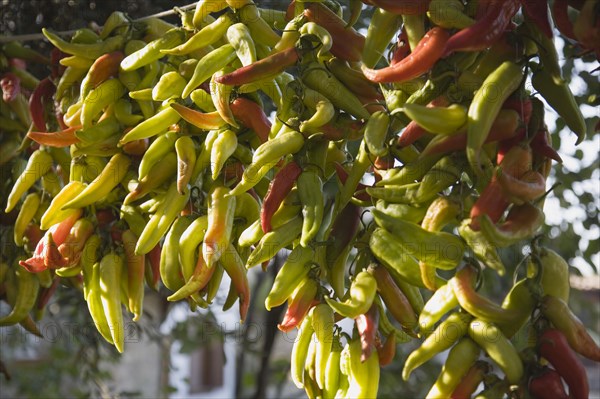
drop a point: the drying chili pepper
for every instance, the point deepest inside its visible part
(486, 30)
(261, 69)
(471, 380)
(299, 304)
(537, 11)
(547, 384)
(382, 28)
(235, 269)
(423, 57)
(394, 299)
(560, 15)
(531, 186)
(402, 48)
(251, 115)
(42, 94)
(541, 146)
(387, 351)
(553, 346)
(460, 359)
(362, 293)
(367, 324)
(61, 138)
(279, 188)
(560, 315)
(102, 69)
(348, 44)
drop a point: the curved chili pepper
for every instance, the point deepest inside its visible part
(555, 348)
(367, 324)
(205, 121)
(485, 31)
(61, 138)
(102, 69)
(394, 299)
(547, 384)
(299, 304)
(42, 93)
(252, 116)
(279, 188)
(387, 351)
(261, 69)
(560, 15)
(537, 11)
(563, 319)
(402, 49)
(542, 147)
(347, 44)
(529, 187)
(423, 57)
(471, 380)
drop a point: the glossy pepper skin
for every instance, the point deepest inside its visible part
(423, 57)
(547, 385)
(553, 346)
(485, 31)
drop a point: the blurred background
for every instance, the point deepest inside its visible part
(173, 352)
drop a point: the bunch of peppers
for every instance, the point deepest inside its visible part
(146, 158)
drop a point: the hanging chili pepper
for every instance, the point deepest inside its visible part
(423, 57)
(279, 188)
(537, 11)
(43, 93)
(547, 384)
(560, 16)
(486, 30)
(553, 346)
(251, 115)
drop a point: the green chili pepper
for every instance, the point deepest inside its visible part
(208, 65)
(28, 286)
(274, 240)
(441, 302)
(294, 269)
(460, 359)
(482, 248)
(91, 51)
(109, 275)
(323, 324)
(446, 334)
(486, 105)
(206, 36)
(170, 85)
(362, 293)
(383, 26)
(160, 147)
(449, 14)
(38, 164)
(240, 38)
(498, 347)
(318, 78)
(310, 188)
(169, 255)
(153, 126)
(300, 350)
(152, 51)
(159, 223)
(376, 133)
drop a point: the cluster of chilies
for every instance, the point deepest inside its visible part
(163, 168)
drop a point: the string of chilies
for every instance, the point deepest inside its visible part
(146, 158)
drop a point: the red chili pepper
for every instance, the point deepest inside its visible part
(343, 231)
(560, 15)
(469, 383)
(493, 201)
(367, 325)
(347, 42)
(299, 304)
(56, 69)
(11, 86)
(103, 68)
(261, 69)
(531, 186)
(547, 385)
(541, 146)
(252, 116)
(279, 188)
(153, 262)
(424, 56)
(384, 163)
(402, 48)
(485, 31)
(62, 138)
(555, 348)
(342, 129)
(537, 11)
(42, 93)
(387, 351)
(361, 192)
(401, 7)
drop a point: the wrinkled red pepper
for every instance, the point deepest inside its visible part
(43, 93)
(279, 188)
(11, 86)
(486, 30)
